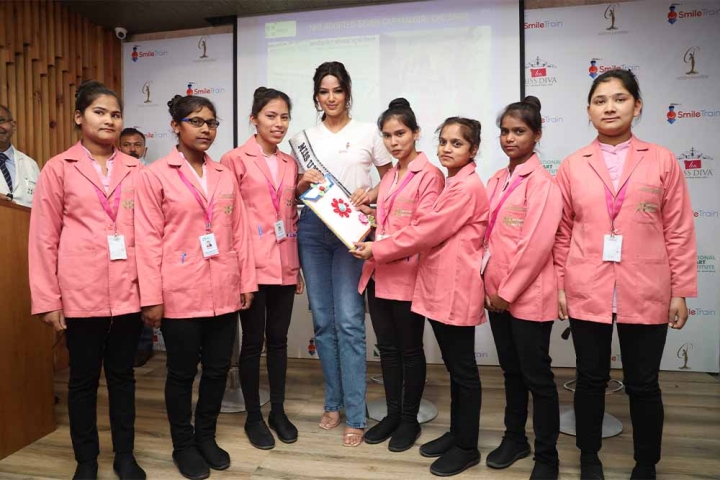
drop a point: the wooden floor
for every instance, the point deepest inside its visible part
(691, 447)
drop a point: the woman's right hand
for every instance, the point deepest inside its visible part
(562, 306)
(56, 319)
(308, 178)
(153, 315)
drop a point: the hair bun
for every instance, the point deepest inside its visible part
(399, 103)
(88, 84)
(260, 91)
(534, 101)
(173, 101)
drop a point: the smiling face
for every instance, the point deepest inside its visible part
(399, 139)
(331, 97)
(454, 150)
(102, 121)
(612, 110)
(196, 138)
(517, 140)
(272, 121)
(7, 128)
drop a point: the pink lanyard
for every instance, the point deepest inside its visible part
(614, 204)
(382, 215)
(207, 211)
(111, 212)
(493, 217)
(274, 196)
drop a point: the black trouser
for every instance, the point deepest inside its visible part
(641, 347)
(523, 347)
(457, 345)
(399, 335)
(189, 341)
(92, 342)
(267, 318)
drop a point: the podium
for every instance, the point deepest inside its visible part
(27, 410)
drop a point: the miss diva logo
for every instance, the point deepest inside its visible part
(540, 73)
(696, 164)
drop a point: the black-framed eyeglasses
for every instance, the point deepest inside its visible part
(198, 122)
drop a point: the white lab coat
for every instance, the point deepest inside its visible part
(26, 175)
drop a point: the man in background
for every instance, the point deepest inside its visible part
(18, 172)
(132, 142)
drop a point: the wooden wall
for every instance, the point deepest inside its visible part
(46, 51)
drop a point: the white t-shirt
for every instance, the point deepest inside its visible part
(350, 153)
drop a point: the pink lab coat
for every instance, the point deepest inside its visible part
(275, 263)
(70, 267)
(659, 252)
(521, 267)
(396, 280)
(449, 288)
(169, 220)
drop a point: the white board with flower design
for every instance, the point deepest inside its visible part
(333, 207)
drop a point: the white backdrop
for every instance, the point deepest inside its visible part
(660, 42)
(156, 70)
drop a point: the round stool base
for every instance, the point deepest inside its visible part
(377, 410)
(610, 428)
(234, 402)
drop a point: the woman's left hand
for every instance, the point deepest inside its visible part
(360, 197)
(300, 286)
(362, 250)
(246, 300)
(678, 313)
(499, 303)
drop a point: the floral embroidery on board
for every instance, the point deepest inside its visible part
(341, 208)
(363, 218)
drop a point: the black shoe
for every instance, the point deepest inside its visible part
(286, 431)
(259, 435)
(454, 461)
(507, 453)
(142, 357)
(437, 447)
(405, 436)
(215, 457)
(191, 464)
(126, 467)
(382, 431)
(544, 471)
(591, 471)
(86, 471)
(643, 472)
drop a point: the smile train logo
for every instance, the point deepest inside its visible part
(672, 14)
(610, 15)
(593, 70)
(672, 114)
(189, 90)
(202, 46)
(689, 58)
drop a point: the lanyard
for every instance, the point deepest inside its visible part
(382, 215)
(614, 204)
(493, 217)
(274, 195)
(207, 211)
(111, 212)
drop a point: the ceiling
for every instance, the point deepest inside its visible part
(149, 16)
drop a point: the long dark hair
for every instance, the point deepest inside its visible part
(337, 70)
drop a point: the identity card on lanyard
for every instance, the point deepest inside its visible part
(493, 219)
(208, 244)
(116, 243)
(612, 244)
(279, 225)
(382, 213)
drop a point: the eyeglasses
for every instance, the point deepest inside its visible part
(198, 122)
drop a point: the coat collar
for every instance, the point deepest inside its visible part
(635, 154)
(122, 167)
(252, 150)
(212, 169)
(522, 170)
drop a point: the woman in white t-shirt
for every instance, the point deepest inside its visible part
(348, 149)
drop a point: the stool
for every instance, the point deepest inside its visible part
(377, 409)
(233, 400)
(611, 426)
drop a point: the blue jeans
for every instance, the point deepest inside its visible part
(332, 276)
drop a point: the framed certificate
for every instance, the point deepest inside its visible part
(333, 207)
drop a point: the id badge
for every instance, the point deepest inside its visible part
(208, 245)
(612, 248)
(280, 234)
(380, 236)
(485, 260)
(116, 246)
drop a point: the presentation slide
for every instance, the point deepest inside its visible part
(447, 58)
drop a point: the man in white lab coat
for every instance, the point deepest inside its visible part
(18, 172)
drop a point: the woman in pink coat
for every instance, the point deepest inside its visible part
(409, 189)
(196, 270)
(625, 253)
(267, 179)
(521, 288)
(449, 288)
(83, 277)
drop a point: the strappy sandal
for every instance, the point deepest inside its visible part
(327, 422)
(353, 439)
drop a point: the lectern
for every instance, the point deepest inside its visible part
(26, 344)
